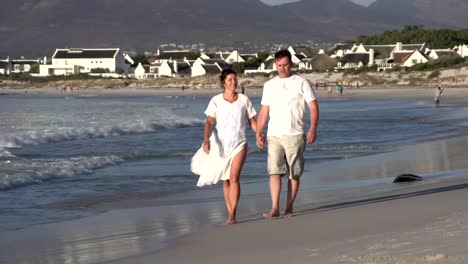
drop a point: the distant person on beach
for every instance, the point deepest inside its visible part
(438, 92)
(224, 149)
(329, 88)
(339, 88)
(284, 103)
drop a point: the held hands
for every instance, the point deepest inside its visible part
(206, 147)
(260, 140)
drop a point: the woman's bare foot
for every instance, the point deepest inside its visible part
(271, 214)
(231, 222)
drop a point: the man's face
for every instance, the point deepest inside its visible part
(283, 65)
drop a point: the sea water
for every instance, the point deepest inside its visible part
(62, 156)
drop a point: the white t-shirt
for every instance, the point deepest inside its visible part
(231, 120)
(287, 98)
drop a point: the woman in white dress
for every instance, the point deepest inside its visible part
(230, 113)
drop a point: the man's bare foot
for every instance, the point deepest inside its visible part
(271, 214)
(288, 214)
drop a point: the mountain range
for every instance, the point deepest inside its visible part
(37, 27)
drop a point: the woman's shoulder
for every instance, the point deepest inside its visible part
(244, 97)
(217, 97)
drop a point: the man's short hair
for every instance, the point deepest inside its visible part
(282, 54)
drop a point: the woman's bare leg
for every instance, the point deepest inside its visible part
(234, 184)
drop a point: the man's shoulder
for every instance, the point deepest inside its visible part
(296, 77)
(271, 81)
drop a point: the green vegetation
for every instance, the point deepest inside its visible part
(34, 68)
(100, 70)
(435, 39)
(193, 55)
(252, 63)
(361, 70)
(434, 74)
(140, 58)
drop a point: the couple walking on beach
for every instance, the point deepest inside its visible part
(224, 149)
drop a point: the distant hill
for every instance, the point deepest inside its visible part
(37, 27)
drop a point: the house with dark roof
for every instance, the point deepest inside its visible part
(9, 66)
(23, 65)
(208, 66)
(77, 60)
(381, 55)
(442, 53)
(353, 61)
(340, 49)
(319, 62)
(221, 63)
(172, 55)
(400, 57)
(414, 58)
(296, 57)
(175, 69)
(206, 69)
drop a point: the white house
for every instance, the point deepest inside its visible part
(234, 57)
(175, 69)
(414, 58)
(23, 65)
(6, 66)
(199, 69)
(208, 66)
(267, 66)
(295, 57)
(462, 50)
(140, 72)
(74, 61)
(442, 53)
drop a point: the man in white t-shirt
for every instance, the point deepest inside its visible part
(284, 102)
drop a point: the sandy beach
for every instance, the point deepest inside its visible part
(419, 222)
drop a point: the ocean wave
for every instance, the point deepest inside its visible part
(64, 134)
(18, 174)
(5, 153)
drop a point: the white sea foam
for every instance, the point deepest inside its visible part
(64, 134)
(25, 173)
(5, 153)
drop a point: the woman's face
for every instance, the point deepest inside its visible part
(230, 83)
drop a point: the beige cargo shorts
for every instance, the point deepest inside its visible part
(286, 155)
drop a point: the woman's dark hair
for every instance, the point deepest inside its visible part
(225, 73)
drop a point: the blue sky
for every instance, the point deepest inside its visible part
(275, 2)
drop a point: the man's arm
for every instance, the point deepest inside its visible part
(261, 122)
(314, 118)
